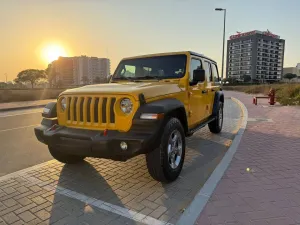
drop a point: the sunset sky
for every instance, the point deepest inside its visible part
(119, 28)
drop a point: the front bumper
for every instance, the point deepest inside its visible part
(141, 139)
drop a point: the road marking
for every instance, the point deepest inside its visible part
(20, 114)
(16, 128)
(130, 214)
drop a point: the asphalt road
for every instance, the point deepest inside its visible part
(19, 147)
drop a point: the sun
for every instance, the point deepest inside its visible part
(53, 52)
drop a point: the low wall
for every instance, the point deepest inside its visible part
(13, 95)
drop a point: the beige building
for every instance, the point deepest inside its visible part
(80, 70)
(293, 70)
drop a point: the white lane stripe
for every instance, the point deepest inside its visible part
(16, 128)
(20, 114)
(130, 214)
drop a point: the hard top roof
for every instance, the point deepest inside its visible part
(170, 53)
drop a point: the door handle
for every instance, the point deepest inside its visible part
(204, 91)
(212, 89)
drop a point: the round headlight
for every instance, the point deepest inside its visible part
(126, 106)
(63, 103)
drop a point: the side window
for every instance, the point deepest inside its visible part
(208, 71)
(215, 73)
(195, 64)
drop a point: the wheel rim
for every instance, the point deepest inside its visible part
(175, 149)
(221, 117)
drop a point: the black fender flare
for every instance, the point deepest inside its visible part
(49, 110)
(219, 97)
(168, 106)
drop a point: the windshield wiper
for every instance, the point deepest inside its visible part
(149, 77)
(123, 78)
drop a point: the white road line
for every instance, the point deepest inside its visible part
(20, 114)
(16, 128)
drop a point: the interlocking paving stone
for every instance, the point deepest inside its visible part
(27, 216)
(10, 218)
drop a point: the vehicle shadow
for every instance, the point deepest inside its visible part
(77, 189)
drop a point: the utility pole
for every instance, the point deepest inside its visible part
(224, 28)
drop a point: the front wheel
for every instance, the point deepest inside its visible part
(165, 163)
(64, 158)
(216, 125)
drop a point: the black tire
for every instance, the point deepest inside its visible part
(158, 161)
(216, 125)
(65, 158)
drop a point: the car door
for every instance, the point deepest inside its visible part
(209, 87)
(197, 95)
(216, 79)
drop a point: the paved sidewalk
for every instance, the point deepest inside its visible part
(262, 183)
(24, 105)
(102, 191)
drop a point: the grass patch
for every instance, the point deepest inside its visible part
(286, 94)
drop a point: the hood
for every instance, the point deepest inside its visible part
(149, 89)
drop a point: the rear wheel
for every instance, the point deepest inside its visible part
(165, 163)
(64, 158)
(216, 125)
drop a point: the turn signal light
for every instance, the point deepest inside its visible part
(152, 116)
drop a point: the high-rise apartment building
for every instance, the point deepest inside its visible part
(81, 70)
(63, 68)
(257, 54)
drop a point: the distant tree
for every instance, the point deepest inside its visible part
(97, 80)
(85, 80)
(230, 80)
(3, 84)
(30, 75)
(50, 72)
(247, 78)
(290, 76)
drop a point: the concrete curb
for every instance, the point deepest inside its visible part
(22, 107)
(196, 207)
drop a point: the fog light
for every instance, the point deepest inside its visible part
(123, 145)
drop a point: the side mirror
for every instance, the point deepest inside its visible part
(198, 75)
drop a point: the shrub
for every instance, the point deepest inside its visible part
(286, 94)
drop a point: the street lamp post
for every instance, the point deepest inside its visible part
(220, 9)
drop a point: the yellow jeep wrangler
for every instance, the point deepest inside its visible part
(149, 106)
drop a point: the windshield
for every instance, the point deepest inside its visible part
(158, 67)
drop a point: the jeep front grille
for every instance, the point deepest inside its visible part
(97, 111)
